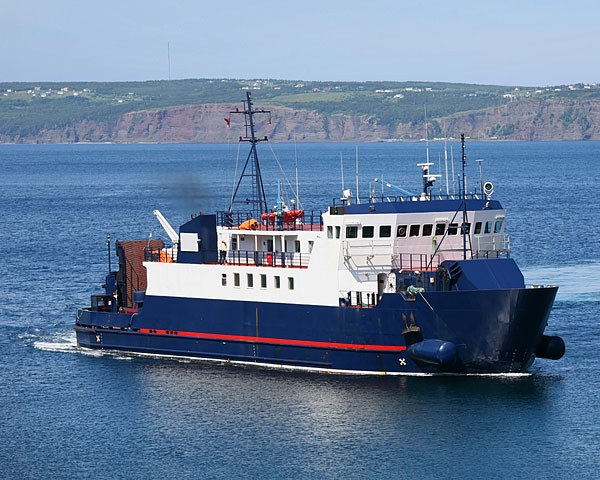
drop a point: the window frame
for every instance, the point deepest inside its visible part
(382, 231)
(426, 225)
(370, 231)
(352, 228)
(403, 229)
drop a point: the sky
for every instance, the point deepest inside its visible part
(525, 43)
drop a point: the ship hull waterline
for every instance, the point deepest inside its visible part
(495, 331)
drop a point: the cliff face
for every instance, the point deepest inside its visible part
(523, 120)
(532, 120)
(205, 123)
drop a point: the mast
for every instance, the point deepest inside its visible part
(453, 177)
(464, 196)
(296, 158)
(446, 161)
(440, 170)
(108, 249)
(426, 133)
(342, 170)
(357, 197)
(258, 201)
(480, 161)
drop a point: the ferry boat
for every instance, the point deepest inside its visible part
(410, 284)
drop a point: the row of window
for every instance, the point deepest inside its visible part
(385, 231)
(269, 244)
(250, 281)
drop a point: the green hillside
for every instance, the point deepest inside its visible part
(28, 108)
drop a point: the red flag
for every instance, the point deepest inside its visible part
(228, 122)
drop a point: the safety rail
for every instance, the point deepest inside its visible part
(490, 254)
(415, 261)
(371, 249)
(492, 243)
(162, 255)
(359, 299)
(311, 220)
(267, 259)
(404, 198)
(236, 257)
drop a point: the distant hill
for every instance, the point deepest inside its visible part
(193, 111)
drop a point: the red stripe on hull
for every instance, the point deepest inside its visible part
(282, 341)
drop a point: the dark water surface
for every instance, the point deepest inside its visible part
(71, 414)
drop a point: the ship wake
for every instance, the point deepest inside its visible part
(577, 283)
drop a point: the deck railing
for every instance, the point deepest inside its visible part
(236, 257)
(415, 261)
(311, 220)
(404, 198)
(267, 259)
(163, 255)
(354, 298)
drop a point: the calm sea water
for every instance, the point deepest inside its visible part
(66, 413)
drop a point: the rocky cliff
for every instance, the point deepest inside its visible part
(551, 119)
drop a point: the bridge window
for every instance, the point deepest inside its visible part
(224, 279)
(263, 281)
(401, 231)
(250, 280)
(277, 281)
(351, 232)
(414, 230)
(329, 231)
(236, 279)
(368, 231)
(385, 231)
(467, 228)
(478, 228)
(427, 230)
(453, 229)
(291, 283)
(488, 227)
(498, 226)
(337, 232)
(440, 228)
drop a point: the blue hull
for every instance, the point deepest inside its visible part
(491, 331)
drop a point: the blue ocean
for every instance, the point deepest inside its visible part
(67, 413)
